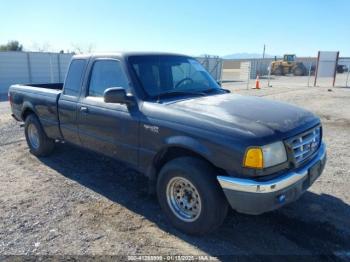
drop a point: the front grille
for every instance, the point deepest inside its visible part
(305, 145)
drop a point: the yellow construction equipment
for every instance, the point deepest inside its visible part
(288, 66)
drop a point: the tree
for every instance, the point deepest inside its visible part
(82, 49)
(11, 46)
(44, 47)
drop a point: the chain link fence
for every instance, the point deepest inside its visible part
(242, 73)
(213, 64)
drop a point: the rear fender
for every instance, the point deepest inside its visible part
(26, 107)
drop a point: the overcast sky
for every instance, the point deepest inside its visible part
(185, 26)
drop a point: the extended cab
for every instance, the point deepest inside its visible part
(201, 147)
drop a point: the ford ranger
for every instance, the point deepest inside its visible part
(202, 148)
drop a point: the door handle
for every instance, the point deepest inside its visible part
(84, 109)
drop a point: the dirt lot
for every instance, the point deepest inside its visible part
(78, 203)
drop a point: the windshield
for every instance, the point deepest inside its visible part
(166, 74)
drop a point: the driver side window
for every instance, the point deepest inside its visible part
(106, 74)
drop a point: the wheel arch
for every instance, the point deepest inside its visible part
(179, 147)
(27, 110)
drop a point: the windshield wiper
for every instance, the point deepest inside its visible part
(210, 90)
(206, 91)
(176, 93)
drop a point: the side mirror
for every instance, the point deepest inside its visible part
(116, 95)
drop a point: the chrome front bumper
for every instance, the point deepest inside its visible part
(287, 187)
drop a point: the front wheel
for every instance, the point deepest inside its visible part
(37, 140)
(299, 71)
(190, 196)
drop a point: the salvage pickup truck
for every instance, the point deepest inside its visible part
(202, 148)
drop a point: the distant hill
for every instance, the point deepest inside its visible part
(246, 56)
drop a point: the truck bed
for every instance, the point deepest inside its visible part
(55, 86)
(42, 99)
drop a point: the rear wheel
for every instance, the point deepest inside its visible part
(278, 71)
(190, 196)
(38, 142)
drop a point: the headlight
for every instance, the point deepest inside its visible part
(265, 156)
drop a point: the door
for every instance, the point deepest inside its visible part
(108, 128)
(67, 104)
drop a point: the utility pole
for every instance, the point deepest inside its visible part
(263, 56)
(347, 77)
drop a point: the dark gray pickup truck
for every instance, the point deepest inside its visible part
(201, 147)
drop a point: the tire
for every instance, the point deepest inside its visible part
(340, 69)
(278, 71)
(207, 203)
(298, 71)
(38, 142)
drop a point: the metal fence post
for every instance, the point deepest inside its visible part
(59, 67)
(347, 77)
(269, 76)
(249, 72)
(308, 80)
(29, 68)
(221, 68)
(316, 70)
(51, 69)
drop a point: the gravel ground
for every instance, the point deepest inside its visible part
(79, 203)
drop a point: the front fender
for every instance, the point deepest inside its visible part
(188, 143)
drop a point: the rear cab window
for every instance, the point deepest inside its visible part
(74, 77)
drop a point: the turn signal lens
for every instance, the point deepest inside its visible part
(254, 158)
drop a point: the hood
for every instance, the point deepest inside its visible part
(237, 110)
